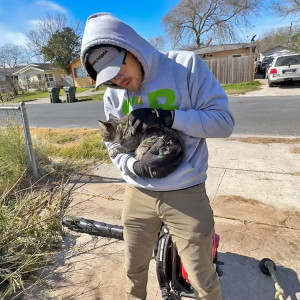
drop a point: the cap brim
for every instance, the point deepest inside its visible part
(107, 74)
(111, 69)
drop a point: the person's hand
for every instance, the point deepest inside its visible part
(140, 119)
(154, 165)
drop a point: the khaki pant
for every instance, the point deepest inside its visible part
(189, 219)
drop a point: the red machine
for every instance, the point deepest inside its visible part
(172, 277)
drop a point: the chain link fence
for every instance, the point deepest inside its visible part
(15, 114)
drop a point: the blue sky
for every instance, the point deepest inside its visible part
(18, 16)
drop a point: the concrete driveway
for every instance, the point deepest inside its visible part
(287, 89)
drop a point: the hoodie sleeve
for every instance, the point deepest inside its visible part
(210, 115)
(123, 161)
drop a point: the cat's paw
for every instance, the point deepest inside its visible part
(114, 152)
(170, 147)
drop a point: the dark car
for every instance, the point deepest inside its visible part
(265, 64)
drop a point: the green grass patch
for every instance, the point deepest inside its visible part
(96, 97)
(241, 88)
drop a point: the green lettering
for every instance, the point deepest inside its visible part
(127, 107)
(167, 101)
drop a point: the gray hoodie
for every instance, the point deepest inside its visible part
(177, 80)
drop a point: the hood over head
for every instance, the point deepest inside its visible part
(103, 29)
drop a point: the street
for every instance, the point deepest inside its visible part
(266, 115)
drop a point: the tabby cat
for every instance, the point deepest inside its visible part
(119, 130)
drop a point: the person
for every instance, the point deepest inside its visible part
(174, 89)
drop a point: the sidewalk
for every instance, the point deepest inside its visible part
(255, 194)
(63, 98)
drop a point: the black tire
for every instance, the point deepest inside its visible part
(270, 83)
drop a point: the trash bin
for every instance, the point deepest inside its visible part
(70, 93)
(54, 94)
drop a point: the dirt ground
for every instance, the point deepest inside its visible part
(91, 268)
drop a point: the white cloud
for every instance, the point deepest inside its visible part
(33, 23)
(52, 6)
(18, 38)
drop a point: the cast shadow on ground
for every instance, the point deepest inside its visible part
(290, 85)
(54, 278)
(243, 280)
(83, 179)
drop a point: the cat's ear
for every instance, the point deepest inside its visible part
(103, 123)
(112, 117)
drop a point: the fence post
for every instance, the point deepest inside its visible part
(28, 140)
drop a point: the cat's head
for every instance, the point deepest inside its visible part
(108, 129)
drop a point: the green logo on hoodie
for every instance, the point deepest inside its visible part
(163, 99)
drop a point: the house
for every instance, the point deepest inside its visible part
(226, 50)
(275, 51)
(80, 76)
(4, 72)
(39, 76)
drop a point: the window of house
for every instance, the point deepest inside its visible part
(80, 72)
(49, 80)
(49, 77)
(236, 55)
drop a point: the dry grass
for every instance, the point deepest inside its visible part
(30, 210)
(74, 143)
(268, 140)
(295, 150)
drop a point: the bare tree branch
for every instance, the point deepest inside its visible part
(39, 36)
(11, 57)
(202, 22)
(287, 7)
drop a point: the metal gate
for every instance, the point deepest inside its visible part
(17, 114)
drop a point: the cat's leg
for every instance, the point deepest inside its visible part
(145, 145)
(117, 150)
(130, 143)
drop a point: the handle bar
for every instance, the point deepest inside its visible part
(93, 227)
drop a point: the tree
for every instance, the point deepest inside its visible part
(287, 7)
(158, 42)
(203, 22)
(62, 48)
(39, 36)
(288, 36)
(11, 57)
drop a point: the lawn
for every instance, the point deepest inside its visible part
(241, 88)
(33, 95)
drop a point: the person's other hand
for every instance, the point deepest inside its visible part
(140, 119)
(153, 165)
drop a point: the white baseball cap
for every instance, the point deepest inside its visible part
(107, 62)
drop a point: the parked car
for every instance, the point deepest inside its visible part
(284, 68)
(265, 63)
(257, 65)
